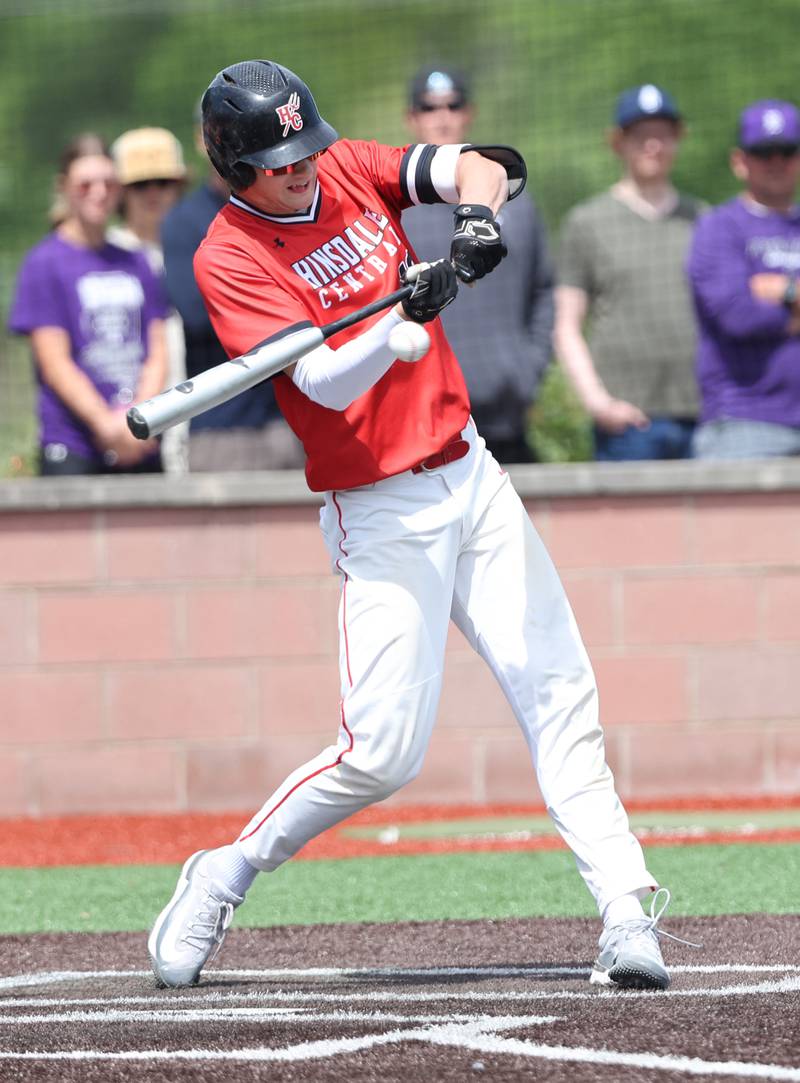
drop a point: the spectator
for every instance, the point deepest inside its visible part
(501, 332)
(151, 170)
(744, 265)
(249, 432)
(95, 317)
(622, 266)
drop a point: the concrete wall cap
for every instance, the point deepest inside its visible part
(288, 487)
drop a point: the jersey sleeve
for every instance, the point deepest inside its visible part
(39, 299)
(406, 176)
(246, 306)
(426, 173)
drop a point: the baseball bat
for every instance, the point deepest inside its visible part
(223, 382)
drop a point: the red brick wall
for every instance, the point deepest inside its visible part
(185, 658)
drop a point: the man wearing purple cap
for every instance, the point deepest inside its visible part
(624, 330)
(744, 265)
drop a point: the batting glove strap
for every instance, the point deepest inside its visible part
(435, 287)
(477, 246)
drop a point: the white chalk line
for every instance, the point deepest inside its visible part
(787, 984)
(259, 1015)
(325, 973)
(53, 977)
(494, 1044)
(470, 1036)
(476, 1033)
(170, 1009)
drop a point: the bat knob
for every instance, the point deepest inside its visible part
(137, 424)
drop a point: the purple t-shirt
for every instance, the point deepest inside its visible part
(105, 300)
(747, 365)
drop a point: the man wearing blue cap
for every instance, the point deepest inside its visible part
(622, 264)
(744, 266)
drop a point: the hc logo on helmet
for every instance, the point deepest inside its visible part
(289, 114)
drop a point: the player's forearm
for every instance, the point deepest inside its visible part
(336, 378)
(482, 181)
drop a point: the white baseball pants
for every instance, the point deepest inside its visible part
(414, 551)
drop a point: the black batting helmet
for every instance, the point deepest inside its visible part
(258, 113)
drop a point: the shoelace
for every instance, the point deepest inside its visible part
(210, 922)
(657, 910)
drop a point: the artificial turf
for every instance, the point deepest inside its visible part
(693, 823)
(704, 880)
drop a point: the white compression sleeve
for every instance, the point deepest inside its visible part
(335, 378)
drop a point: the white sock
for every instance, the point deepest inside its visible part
(229, 865)
(623, 908)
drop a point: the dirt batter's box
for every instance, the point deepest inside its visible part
(446, 1021)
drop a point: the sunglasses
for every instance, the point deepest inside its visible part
(770, 152)
(84, 187)
(155, 182)
(283, 170)
(429, 107)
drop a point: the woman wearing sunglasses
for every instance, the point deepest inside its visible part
(94, 314)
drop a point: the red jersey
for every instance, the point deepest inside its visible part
(263, 275)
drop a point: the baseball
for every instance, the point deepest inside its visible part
(409, 341)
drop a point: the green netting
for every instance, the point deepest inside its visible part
(545, 73)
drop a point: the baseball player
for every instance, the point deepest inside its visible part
(421, 523)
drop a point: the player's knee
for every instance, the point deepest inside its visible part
(390, 780)
(383, 778)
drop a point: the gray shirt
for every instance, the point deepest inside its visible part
(501, 328)
(641, 322)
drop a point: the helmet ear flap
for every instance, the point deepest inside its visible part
(238, 175)
(241, 176)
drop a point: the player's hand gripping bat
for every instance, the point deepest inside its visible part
(433, 292)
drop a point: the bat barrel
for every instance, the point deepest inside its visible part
(219, 384)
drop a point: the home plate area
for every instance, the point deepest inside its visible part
(499, 1000)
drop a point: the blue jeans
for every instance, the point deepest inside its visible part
(738, 438)
(664, 438)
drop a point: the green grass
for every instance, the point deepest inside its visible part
(703, 879)
(660, 821)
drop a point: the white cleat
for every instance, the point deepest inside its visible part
(190, 929)
(630, 955)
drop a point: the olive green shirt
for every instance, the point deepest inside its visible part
(641, 329)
